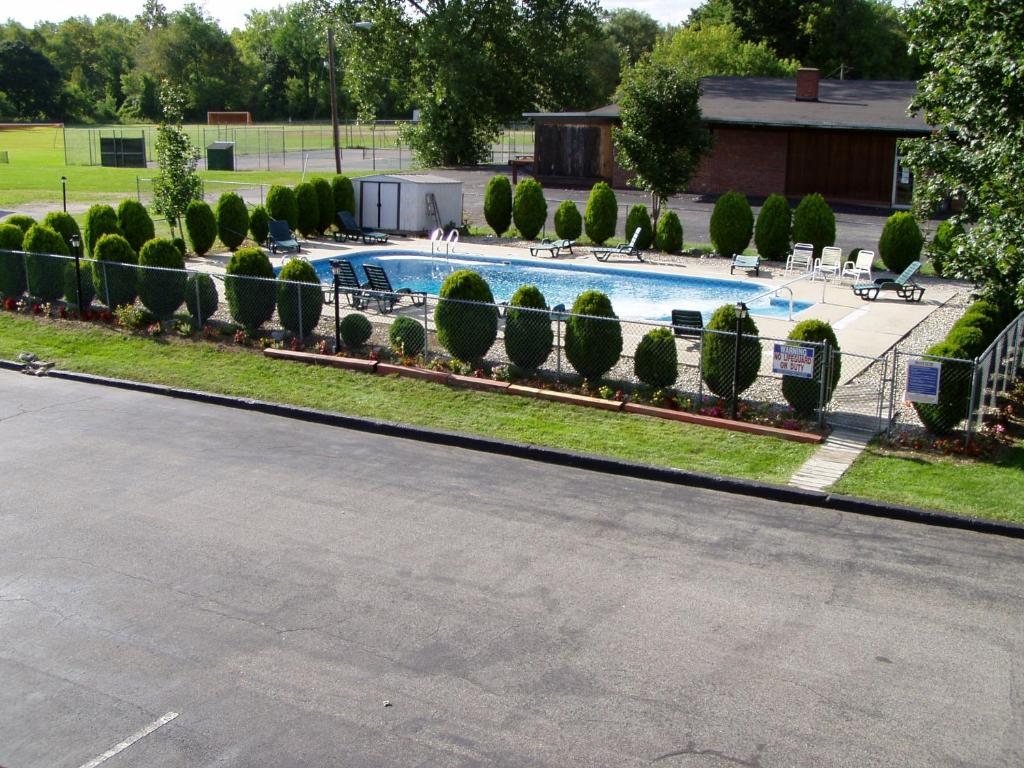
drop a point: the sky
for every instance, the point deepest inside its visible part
(231, 13)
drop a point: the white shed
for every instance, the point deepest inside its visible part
(408, 202)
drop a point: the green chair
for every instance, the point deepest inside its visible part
(904, 286)
(626, 249)
(349, 230)
(384, 294)
(554, 247)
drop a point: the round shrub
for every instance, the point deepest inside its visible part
(179, 243)
(954, 390)
(355, 330)
(656, 362)
(669, 237)
(100, 220)
(201, 298)
(901, 241)
(568, 222)
(282, 205)
(44, 274)
(803, 394)
(407, 337)
(309, 208)
(814, 223)
(732, 224)
(601, 213)
(344, 195)
(251, 302)
(21, 220)
(498, 204)
(638, 217)
(771, 233)
(593, 344)
(529, 208)
(528, 335)
(66, 226)
(201, 225)
(467, 330)
(324, 204)
(300, 297)
(12, 265)
(135, 223)
(718, 352)
(162, 290)
(232, 220)
(114, 273)
(259, 224)
(71, 284)
(943, 245)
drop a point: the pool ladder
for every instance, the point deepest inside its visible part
(437, 237)
(771, 292)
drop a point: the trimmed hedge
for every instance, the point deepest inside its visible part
(732, 224)
(593, 345)
(324, 204)
(814, 223)
(466, 330)
(66, 227)
(639, 217)
(201, 225)
(803, 394)
(529, 208)
(282, 205)
(771, 233)
(900, 242)
(44, 275)
(344, 195)
(355, 330)
(232, 220)
(656, 362)
(309, 209)
(718, 352)
(954, 390)
(12, 265)
(135, 223)
(22, 221)
(601, 213)
(943, 245)
(100, 220)
(568, 221)
(299, 306)
(179, 243)
(201, 298)
(407, 336)
(498, 204)
(251, 302)
(528, 335)
(71, 284)
(160, 291)
(259, 224)
(669, 237)
(114, 274)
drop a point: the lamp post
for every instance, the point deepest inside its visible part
(64, 191)
(741, 315)
(336, 272)
(76, 245)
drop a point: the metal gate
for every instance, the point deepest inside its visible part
(863, 399)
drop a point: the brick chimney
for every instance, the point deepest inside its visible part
(807, 84)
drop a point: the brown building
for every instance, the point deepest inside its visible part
(835, 137)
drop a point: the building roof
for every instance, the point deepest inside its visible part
(416, 178)
(866, 105)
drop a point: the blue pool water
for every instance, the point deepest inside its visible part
(635, 294)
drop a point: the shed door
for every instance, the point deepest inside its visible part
(379, 204)
(840, 164)
(568, 150)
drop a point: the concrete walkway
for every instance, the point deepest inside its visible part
(831, 460)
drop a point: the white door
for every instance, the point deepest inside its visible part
(380, 204)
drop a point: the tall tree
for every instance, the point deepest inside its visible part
(177, 183)
(718, 49)
(29, 81)
(635, 32)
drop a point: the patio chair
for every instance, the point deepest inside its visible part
(281, 237)
(687, 322)
(746, 262)
(801, 259)
(862, 266)
(904, 286)
(348, 284)
(554, 247)
(626, 249)
(349, 230)
(829, 264)
(384, 294)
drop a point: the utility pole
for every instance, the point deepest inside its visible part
(334, 100)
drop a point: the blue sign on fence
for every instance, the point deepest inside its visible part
(923, 381)
(792, 360)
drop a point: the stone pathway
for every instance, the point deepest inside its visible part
(831, 460)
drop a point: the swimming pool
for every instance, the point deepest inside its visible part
(635, 294)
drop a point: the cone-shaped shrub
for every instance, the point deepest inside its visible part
(901, 242)
(498, 204)
(71, 284)
(309, 208)
(201, 225)
(251, 302)
(135, 223)
(601, 214)
(12, 265)
(300, 297)
(344, 196)
(465, 328)
(324, 204)
(804, 394)
(529, 208)
(21, 220)
(593, 344)
(161, 291)
(669, 237)
(259, 224)
(201, 298)
(100, 220)
(179, 243)
(355, 330)
(954, 390)
(718, 352)
(656, 362)
(568, 222)
(814, 223)
(407, 336)
(66, 227)
(232, 220)
(771, 234)
(114, 273)
(44, 274)
(638, 217)
(732, 224)
(283, 206)
(528, 334)
(943, 245)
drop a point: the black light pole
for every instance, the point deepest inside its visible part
(741, 315)
(64, 191)
(336, 271)
(76, 244)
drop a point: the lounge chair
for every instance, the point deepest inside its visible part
(687, 322)
(904, 286)
(384, 294)
(554, 247)
(746, 262)
(801, 259)
(862, 266)
(281, 237)
(626, 249)
(349, 230)
(829, 265)
(348, 284)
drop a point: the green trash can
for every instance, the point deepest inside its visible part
(220, 156)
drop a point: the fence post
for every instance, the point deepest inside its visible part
(558, 344)
(970, 404)
(199, 305)
(700, 372)
(24, 262)
(298, 296)
(106, 288)
(426, 331)
(826, 371)
(892, 389)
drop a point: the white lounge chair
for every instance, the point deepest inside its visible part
(828, 266)
(862, 266)
(801, 259)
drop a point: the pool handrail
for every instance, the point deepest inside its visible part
(774, 291)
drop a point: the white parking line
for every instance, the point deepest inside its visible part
(123, 745)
